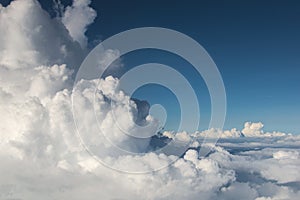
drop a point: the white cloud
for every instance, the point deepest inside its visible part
(286, 155)
(255, 130)
(76, 18)
(218, 133)
(32, 38)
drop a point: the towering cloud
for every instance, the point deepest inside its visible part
(76, 18)
(30, 38)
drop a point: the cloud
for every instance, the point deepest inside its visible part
(76, 18)
(32, 38)
(251, 129)
(43, 158)
(255, 130)
(216, 133)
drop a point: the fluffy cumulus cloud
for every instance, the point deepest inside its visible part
(42, 153)
(31, 38)
(76, 18)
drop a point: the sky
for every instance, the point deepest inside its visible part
(255, 45)
(68, 138)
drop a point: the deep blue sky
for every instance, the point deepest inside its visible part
(255, 44)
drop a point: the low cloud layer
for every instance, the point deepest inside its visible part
(43, 158)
